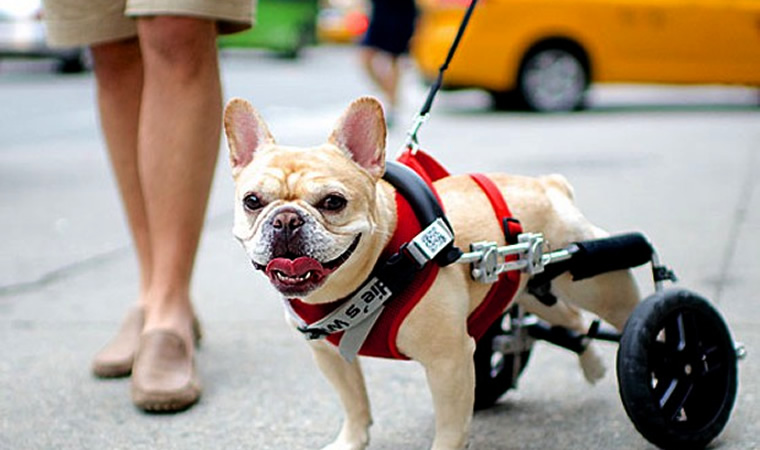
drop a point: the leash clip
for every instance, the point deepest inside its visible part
(412, 143)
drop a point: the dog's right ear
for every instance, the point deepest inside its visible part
(246, 132)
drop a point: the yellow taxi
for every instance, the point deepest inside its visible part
(342, 21)
(542, 54)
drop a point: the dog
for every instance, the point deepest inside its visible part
(315, 221)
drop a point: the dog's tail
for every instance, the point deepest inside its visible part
(560, 183)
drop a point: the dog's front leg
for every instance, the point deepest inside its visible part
(348, 380)
(452, 384)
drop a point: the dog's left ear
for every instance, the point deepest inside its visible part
(246, 132)
(361, 132)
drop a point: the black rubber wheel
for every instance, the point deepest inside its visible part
(494, 371)
(552, 79)
(676, 369)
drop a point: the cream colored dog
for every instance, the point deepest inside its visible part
(315, 220)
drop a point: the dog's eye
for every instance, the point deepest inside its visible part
(252, 202)
(332, 202)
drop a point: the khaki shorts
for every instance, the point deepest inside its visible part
(86, 22)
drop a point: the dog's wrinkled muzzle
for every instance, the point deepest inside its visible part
(298, 275)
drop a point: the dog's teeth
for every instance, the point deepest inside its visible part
(287, 279)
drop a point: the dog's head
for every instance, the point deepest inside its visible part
(307, 215)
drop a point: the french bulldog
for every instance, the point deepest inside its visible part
(315, 221)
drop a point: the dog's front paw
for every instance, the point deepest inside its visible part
(592, 364)
(350, 440)
(345, 445)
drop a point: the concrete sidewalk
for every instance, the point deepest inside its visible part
(687, 177)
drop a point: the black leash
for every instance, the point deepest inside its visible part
(436, 86)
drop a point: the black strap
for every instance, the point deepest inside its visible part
(439, 80)
(423, 201)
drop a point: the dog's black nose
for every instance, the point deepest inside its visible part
(287, 221)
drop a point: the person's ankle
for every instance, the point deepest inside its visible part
(174, 314)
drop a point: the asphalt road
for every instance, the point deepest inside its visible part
(679, 164)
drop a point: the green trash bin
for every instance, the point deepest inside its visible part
(283, 26)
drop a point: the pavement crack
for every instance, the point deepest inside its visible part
(62, 272)
(82, 265)
(737, 221)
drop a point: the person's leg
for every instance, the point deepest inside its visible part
(383, 70)
(180, 126)
(392, 80)
(119, 75)
(178, 141)
(367, 56)
(119, 79)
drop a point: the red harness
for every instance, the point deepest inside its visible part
(381, 341)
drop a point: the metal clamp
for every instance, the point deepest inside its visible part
(489, 260)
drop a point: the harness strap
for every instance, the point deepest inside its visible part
(501, 294)
(510, 225)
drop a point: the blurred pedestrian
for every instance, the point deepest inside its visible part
(390, 29)
(160, 103)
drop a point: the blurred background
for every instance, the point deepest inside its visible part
(534, 55)
(649, 108)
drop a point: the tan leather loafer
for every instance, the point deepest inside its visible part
(115, 359)
(164, 378)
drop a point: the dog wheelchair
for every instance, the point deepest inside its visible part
(676, 360)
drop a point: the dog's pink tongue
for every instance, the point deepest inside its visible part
(295, 267)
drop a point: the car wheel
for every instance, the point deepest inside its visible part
(71, 64)
(552, 79)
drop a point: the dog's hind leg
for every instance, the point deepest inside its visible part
(565, 315)
(611, 296)
(348, 381)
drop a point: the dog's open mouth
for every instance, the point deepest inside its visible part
(298, 275)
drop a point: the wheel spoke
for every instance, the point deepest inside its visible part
(675, 335)
(674, 396)
(711, 360)
(691, 332)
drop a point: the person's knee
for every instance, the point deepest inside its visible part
(113, 61)
(367, 57)
(182, 43)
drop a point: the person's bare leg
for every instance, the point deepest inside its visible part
(383, 69)
(368, 57)
(178, 141)
(388, 74)
(391, 80)
(118, 74)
